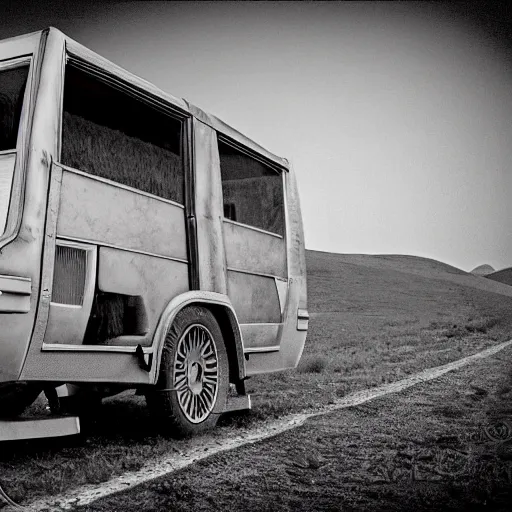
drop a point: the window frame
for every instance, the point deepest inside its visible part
(280, 170)
(15, 208)
(124, 87)
(14, 63)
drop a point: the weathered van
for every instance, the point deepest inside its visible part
(143, 242)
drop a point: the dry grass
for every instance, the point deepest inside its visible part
(258, 201)
(255, 191)
(315, 364)
(111, 154)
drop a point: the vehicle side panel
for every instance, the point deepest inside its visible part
(291, 339)
(82, 363)
(208, 210)
(256, 262)
(21, 257)
(253, 251)
(102, 212)
(255, 296)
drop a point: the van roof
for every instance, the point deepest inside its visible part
(78, 50)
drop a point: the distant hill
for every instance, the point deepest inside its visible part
(502, 276)
(319, 260)
(482, 270)
(365, 270)
(348, 294)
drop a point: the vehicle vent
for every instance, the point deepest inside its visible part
(69, 275)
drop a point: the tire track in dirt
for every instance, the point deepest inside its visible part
(206, 446)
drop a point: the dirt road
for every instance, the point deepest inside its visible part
(422, 447)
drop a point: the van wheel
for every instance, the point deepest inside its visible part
(193, 382)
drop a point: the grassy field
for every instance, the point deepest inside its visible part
(374, 319)
(379, 318)
(442, 445)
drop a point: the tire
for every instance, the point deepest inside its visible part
(193, 383)
(15, 397)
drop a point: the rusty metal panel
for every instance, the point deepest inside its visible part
(291, 340)
(85, 366)
(295, 231)
(253, 250)
(254, 298)
(258, 336)
(102, 212)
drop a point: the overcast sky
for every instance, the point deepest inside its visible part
(396, 117)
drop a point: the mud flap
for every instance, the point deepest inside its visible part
(237, 399)
(238, 403)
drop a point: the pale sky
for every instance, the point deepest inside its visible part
(397, 118)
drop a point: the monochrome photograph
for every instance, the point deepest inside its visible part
(255, 256)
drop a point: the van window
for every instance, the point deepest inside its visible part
(113, 135)
(252, 191)
(12, 88)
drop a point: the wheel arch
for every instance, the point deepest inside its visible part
(222, 309)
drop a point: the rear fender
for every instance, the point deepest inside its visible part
(221, 307)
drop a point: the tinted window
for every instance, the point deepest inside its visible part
(110, 134)
(12, 88)
(252, 191)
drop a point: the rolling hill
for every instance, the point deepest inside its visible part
(340, 265)
(502, 276)
(482, 270)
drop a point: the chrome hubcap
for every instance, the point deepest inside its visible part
(196, 373)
